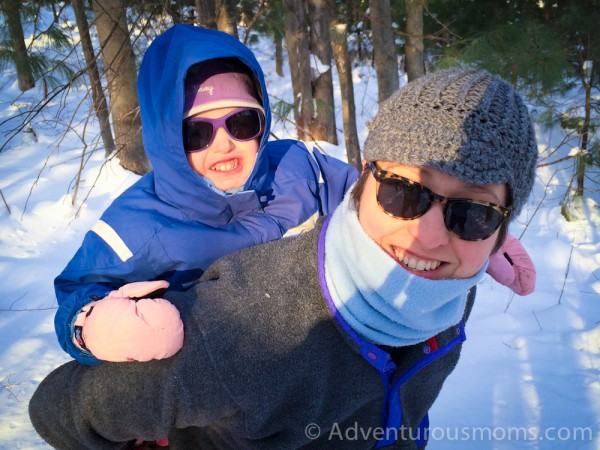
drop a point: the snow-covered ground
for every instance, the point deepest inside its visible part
(529, 377)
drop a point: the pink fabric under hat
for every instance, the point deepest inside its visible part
(219, 83)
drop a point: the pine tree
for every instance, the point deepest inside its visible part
(31, 61)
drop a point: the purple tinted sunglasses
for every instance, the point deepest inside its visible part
(242, 124)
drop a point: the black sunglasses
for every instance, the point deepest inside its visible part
(470, 220)
(243, 124)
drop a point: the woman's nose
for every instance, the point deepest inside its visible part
(429, 229)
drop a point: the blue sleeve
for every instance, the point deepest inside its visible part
(338, 177)
(92, 273)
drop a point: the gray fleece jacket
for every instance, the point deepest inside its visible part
(266, 364)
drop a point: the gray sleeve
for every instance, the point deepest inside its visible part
(109, 405)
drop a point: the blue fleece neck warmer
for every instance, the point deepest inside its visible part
(377, 297)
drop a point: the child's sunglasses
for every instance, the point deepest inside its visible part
(470, 220)
(243, 124)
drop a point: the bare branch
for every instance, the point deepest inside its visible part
(114, 155)
(539, 205)
(557, 161)
(7, 385)
(49, 308)
(260, 11)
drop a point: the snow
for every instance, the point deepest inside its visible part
(529, 376)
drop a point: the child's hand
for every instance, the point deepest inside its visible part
(512, 267)
(118, 328)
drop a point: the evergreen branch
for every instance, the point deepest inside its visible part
(284, 118)
(32, 113)
(54, 33)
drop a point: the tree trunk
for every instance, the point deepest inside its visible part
(344, 69)
(98, 98)
(384, 49)
(207, 13)
(227, 16)
(296, 39)
(119, 62)
(585, 129)
(323, 126)
(415, 66)
(11, 10)
(278, 55)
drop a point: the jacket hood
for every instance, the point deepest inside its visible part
(161, 96)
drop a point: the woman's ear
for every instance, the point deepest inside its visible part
(364, 166)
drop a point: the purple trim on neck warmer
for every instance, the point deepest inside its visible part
(391, 417)
(378, 358)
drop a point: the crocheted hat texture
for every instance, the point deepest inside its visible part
(467, 123)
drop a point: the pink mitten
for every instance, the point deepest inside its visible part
(120, 329)
(140, 289)
(512, 267)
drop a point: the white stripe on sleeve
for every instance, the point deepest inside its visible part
(303, 227)
(114, 241)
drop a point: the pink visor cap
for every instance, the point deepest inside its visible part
(221, 83)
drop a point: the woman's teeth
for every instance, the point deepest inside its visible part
(419, 264)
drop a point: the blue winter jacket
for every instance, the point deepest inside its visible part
(170, 224)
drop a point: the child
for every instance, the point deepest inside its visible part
(221, 188)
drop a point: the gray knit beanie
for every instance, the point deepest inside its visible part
(467, 123)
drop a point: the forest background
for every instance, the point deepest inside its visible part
(70, 142)
(544, 49)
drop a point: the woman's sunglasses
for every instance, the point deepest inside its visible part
(470, 220)
(243, 124)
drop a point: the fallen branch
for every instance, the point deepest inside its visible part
(4, 200)
(536, 319)
(510, 299)
(566, 271)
